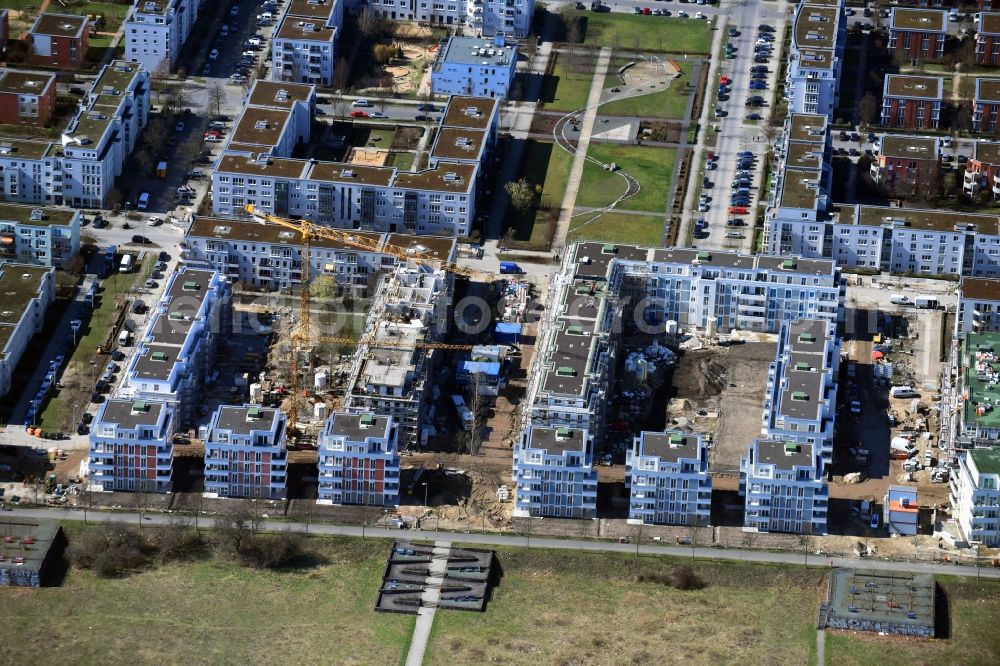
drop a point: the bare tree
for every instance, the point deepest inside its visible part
(867, 109)
(371, 23)
(238, 523)
(341, 75)
(216, 97)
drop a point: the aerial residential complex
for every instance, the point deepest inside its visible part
(59, 40)
(815, 57)
(28, 292)
(131, 447)
(27, 98)
(667, 477)
(975, 496)
(554, 473)
(782, 483)
(304, 46)
(156, 30)
(43, 236)
(358, 462)
(912, 101)
(918, 34)
(245, 453)
(473, 66)
(511, 18)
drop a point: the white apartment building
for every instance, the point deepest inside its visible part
(819, 34)
(438, 200)
(667, 477)
(43, 236)
(245, 454)
(269, 257)
(800, 401)
(784, 489)
(978, 306)
(905, 241)
(801, 177)
(31, 171)
(131, 447)
(474, 66)
(975, 496)
(554, 473)
(174, 354)
(390, 374)
(156, 30)
(304, 43)
(28, 291)
(358, 462)
(511, 18)
(979, 391)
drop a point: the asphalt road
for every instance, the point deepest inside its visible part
(740, 555)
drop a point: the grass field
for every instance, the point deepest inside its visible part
(619, 228)
(974, 609)
(652, 167)
(582, 608)
(670, 104)
(645, 33)
(213, 612)
(402, 161)
(567, 88)
(549, 165)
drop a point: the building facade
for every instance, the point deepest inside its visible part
(784, 489)
(304, 45)
(131, 447)
(41, 236)
(904, 161)
(988, 38)
(358, 461)
(27, 98)
(667, 477)
(901, 513)
(59, 40)
(979, 391)
(819, 36)
(975, 496)
(986, 105)
(511, 18)
(245, 454)
(156, 30)
(475, 67)
(554, 474)
(917, 34)
(28, 292)
(982, 172)
(912, 101)
(978, 309)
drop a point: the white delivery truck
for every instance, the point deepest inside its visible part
(126, 264)
(926, 302)
(123, 339)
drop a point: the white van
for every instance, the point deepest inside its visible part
(899, 299)
(903, 392)
(123, 339)
(126, 264)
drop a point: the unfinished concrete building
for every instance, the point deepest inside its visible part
(390, 371)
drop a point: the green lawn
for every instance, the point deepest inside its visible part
(555, 607)
(568, 86)
(548, 165)
(652, 167)
(669, 104)
(403, 161)
(619, 228)
(213, 612)
(58, 411)
(114, 15)
(373, 136)
(646, 33)
(974, 609)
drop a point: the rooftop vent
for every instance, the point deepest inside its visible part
(800, 395)
(254, 413)
(139, 406)
(803, 366)
(37, 215)
(260, 124)
(281, 95)
(563, 434)
(609, 248)
(347, 173)
(676, 439)
(788, 264)
(704, 256)
(451, 176)
(367, 420)
(159, 356)
(575, 330)
(473, 112)
(565, 371)
(791, 448)
(176, 315)
(221, 229)
(807, 337)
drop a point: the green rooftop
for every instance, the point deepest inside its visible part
(981, 363)
(23, 215)
(987, 460)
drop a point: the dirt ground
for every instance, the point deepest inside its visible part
(720, 391)
(369, 156)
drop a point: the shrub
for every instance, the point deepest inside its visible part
(111, 550)
(179, 543)
(684, 578)
(273, 552)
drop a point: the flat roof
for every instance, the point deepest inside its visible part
(888, 602)
(311, 8)
(50, 216)
(237, 419)
(275, 167)
(800, 188)
(260, 126)
(244, 230)
(981, 363)
(25, 83)
(116, 76)
(478, 51)
(807, 127)
(24, 149)
(772, 452)
(129, 414)
(593, 259)
(920, 20)
(987, 152)
(470, 112)
(357, 427)
(987, 460)
(808, 336)
(987, 90)
(295, 27)
(569, 362)
(804, 154)
(816, 26)
(914, 87)
(930, 220)
(665, 446)
(445, 177)
(343, 172)
(59, 25)
(815, 58)
(980, 289)
(279, 94)
(19, 284)
(42, 530)
(440, 247)
(459, 144)
(912, 147)
(157, 362)
(154, 6)
(989, 23)
(557, 440)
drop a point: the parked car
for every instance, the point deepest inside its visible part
(361, 103)
(142, 240)
(754, 116)
(213, 54)
(359, 114)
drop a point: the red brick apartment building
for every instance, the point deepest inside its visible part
(901, 160)
(912, 101)
(59, 40)
(983, 170)
(986, 105)
(988, 38)
(26, 98)
(918, 34)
